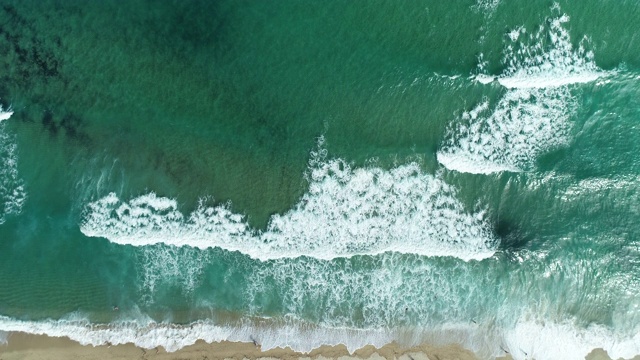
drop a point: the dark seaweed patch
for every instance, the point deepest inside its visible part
(71, 123)
(32, 59)
(186, 26)
(68, 124)
(48, 123)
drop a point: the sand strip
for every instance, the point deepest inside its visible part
(39, 347)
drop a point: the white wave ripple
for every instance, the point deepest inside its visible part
(534, 115)
(523, 125)
(161, 265)
(346, 212)
(549, 61)
(12, 192)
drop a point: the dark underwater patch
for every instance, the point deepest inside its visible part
(68, 124)
(512, 236)
(20, 41)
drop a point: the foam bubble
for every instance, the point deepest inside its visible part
(345, 212)
(515, 33)
(12, 192)
(533, 115)
(484, 79)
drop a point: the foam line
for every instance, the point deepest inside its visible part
(149, 334)
(346, 212)
(549, 79)
(161, 265)
(526, 341)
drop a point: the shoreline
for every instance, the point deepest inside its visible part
(26, 346)
(38, 347)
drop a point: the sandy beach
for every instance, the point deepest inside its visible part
(39, 347)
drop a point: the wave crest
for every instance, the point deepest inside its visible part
(346, 212)
(533, 116)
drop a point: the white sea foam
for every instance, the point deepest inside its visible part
(5, 114)
(12, 192)
(509, 137)
(546, 80)
(149, 334)
(548, 59)
(527, 340)
(484, 79)
(169, 264)
(488, 7)
(534, 340)
(346, 212)
(534, 114)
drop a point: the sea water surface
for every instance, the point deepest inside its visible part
(299, 173)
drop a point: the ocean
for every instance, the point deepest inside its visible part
(299, 173)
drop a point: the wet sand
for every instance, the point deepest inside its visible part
(39, 347)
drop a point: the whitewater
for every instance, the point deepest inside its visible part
(346, 212)
(534, 116)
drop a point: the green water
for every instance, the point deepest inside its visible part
(226, 101)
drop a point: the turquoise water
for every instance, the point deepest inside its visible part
(308, 173)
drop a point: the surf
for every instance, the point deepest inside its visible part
(12, 189)
(524, 341)
(534, 115)
(345, 212)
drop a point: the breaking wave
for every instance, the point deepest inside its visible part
(12, 192)
(345, 212)
(534, 114)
